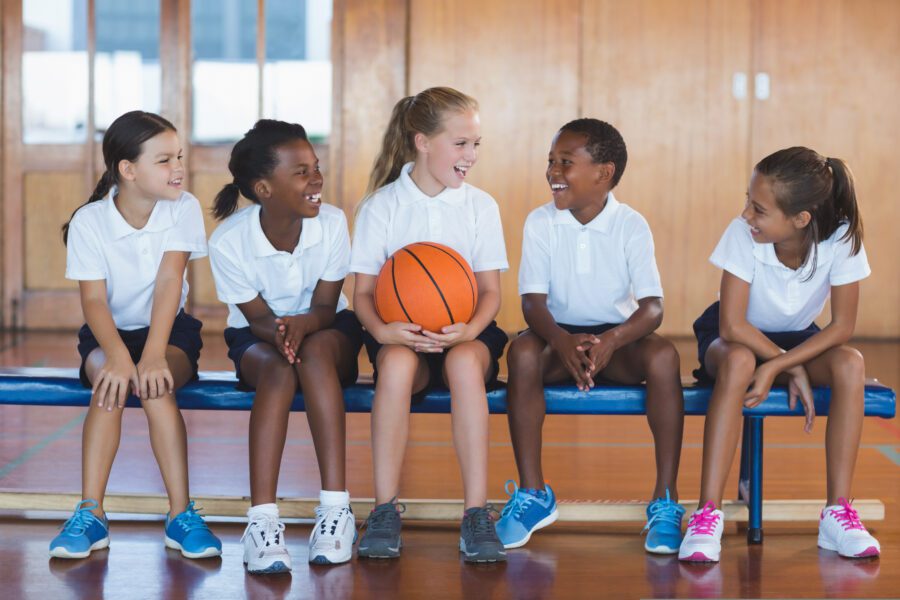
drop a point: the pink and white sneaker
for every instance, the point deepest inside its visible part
(840, 529)
(703, 540)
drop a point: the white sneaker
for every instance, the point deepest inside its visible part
(703, 540)
(840, 529)
(264, 547)
(331, 540)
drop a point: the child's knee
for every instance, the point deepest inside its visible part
(396, 357)
(738, 360)
(848, 364)
(467, 356)
(662, 360)
(524, 354)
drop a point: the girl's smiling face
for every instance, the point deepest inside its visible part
(294, 187)
(768, 223)
(158, 172)
(448, 155)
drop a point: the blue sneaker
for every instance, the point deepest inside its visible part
(81, 534)
(524, 514)
(188, 532)
(663, 526)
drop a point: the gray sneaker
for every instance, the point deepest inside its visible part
(478, 536)
(382, 536)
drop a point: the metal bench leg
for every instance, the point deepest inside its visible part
(744, 478)
(754, 531)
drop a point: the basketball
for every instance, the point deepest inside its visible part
(428, 284)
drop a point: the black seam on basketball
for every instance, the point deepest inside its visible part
(436, 286)
(469, 281)
(397, 292)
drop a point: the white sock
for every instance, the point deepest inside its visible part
(270, 509)
(327, 498)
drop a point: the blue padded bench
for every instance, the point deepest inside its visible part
(215, 390)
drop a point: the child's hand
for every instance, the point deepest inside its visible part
(116, 376)
(760, 385)
(451, 335)
(570, 347)
(409, 335)
(289, 335)
(599, 351)
(154, 378)
(799, 387)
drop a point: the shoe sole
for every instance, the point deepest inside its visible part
(867, 553)
(474, 557)
(61, 552)
(275, 567)
(660, 549)
(698, 557)
(548, 520)
(207, 553)
(379, 553)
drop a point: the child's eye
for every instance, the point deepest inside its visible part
(165, 160)
(477, 144)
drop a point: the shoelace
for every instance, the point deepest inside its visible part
(384, 519)
(190, 518)
(482, 519)
(78, 523)
(704, 521)
(847, 516)
(665, 511)
(271, 529)
(328, 517)
(518, 503)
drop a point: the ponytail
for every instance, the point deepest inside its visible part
(123, 140)
(226, 201)
(846, 209)
(423, 113)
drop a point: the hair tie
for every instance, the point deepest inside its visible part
(827, 162)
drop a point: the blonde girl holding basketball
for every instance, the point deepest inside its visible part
(417, 192)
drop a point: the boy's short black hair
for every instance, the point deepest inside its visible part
(604, 143)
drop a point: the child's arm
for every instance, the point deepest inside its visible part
(569, 347)
(642, 322)
(322, 308)
(154, 375)
(405, 334)
(486, 309)
(111, 383)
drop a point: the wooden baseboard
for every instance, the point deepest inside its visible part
(425, 509)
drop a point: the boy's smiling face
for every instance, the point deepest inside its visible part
(578, 183)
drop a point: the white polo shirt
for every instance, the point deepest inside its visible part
(466, 219)
(102, 245)
(593, 273)
(781, 298)
(246, 265)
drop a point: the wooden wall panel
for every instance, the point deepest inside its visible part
(205, 186)
(519, 60)
(49, 200)
(834, 89)
(661, 72)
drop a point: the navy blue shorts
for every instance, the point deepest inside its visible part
(493, 337)
(239, 340)
(706, 328)
(185, 335)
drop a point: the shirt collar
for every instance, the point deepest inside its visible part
(162, 217)
(310, 235)
(411, 192)
(765, 253)
(602, 222)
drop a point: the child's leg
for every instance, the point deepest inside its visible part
(531, 363)
(168, 436)
(654, 359)
(99, 440)
(843, 369)
(733, 366)
(465, 370)
(402, 372)
(275, 382)
(326, 360)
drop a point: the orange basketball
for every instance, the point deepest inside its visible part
(428, 284)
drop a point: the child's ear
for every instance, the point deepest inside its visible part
(126, 170)
(421, 142)
(261, 189)
(605, 172)
(801, 219)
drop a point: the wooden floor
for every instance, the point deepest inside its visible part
(585, 458)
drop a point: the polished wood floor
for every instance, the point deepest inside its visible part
(585, 458)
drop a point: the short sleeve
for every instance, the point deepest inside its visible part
(232, 286)
(339, 254)
(369, 249)
(641, 260)
(84, 252)
(734, 253)
(189, 233)
(489, 252)
(846, 267)
(534, 270)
